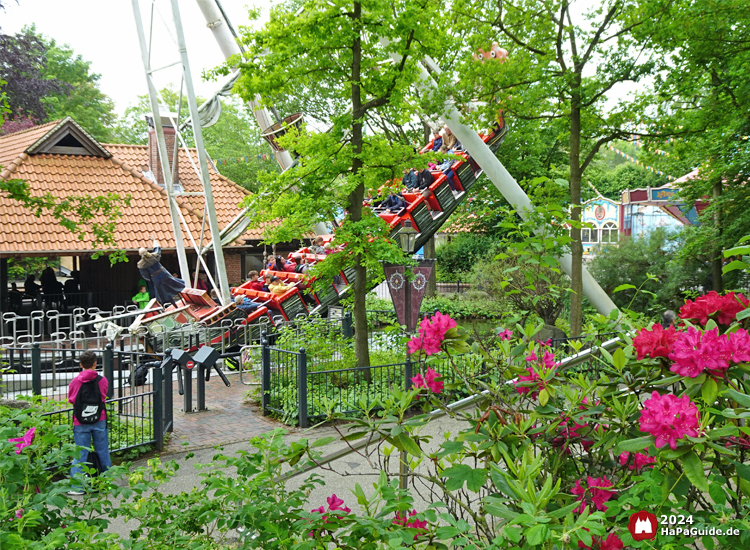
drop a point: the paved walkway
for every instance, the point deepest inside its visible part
(230, 417)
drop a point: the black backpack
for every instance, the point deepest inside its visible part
(89, 406)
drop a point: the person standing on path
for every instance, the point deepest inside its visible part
(90, 429)
(166, 287)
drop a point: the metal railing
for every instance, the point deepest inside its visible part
(139, 394)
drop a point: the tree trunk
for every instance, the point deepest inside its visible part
(576, 272)
(429, 254)
(361, 349)
(717, 264)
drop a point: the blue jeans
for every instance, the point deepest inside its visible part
(83, 435)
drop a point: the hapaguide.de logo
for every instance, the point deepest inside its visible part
(643, 525)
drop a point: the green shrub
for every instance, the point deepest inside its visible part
(456, 258)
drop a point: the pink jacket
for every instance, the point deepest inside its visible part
(75, 385)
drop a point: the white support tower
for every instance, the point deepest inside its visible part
(220, 28)
(180, 58)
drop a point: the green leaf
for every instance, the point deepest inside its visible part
(456, 475)
(543, 397)
(693, 468)
(450, 447)
(634, 445)
(476, 479)
(744, 314)
(618, 359)
(512, 533)
(562, 512)
(734, 265)
(409, 445)
(709, 391)
(537, 534)
(623, 287)
(741, 398)
(717, 494)
(324, 441)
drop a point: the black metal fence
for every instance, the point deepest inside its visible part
(139, 399)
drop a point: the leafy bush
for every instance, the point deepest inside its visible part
(456, 258)
(632, 260)
(460, 306)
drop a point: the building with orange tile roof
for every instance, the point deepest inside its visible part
(62, 159)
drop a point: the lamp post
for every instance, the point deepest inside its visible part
(407, 294)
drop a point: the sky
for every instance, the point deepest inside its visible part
(104, 33)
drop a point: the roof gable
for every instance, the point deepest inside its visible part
(67, 138)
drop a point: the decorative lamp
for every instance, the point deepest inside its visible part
(408, 237)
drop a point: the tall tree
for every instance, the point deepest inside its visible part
(704, 95)
(336, 55)
(563, 65)
(23, 57)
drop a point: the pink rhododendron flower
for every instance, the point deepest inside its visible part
(641, 460)
(704, 307)
(595, 493)
(19, 513)
(413, 523)
(531, 357)
(549, 360)
(334, 503)
(695, 352)
(505, 334)
(669, 418)
(429, 381)
(532, 377)
(612, 542)
(431, 334)
(738, 346)
(23, 442)
(546, 343)
(654, 343)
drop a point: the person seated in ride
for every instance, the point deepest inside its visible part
(255, 282)
(437, 140)
(267, 282)
(410, 178)
(30, 288)
(449, 140)
(424, 180)
(394, 204)
(277, 286)
(446, 167)
(300, 264)
(317, 246)
(246, 304)
(290, 264)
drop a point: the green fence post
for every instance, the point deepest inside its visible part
(158, 417)
(109, 369)
(36, 369)
(265, 373)
(407, 374)
(302, 387)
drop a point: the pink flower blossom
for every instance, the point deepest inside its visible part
(549, 360)
(431, 334)
(505, 334)
(546, 343)
(334, 503)
(532, 377)
(612, 542)
(654, 343)
(738, 346)
(23, 442)
(19, 513)
(641, 460)
(531, 357)
(723, 308)
(669, 418)
(429, 381)
(695, 352)
(595, 493)
(404, 521)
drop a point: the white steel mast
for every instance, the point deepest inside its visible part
(209, 210)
